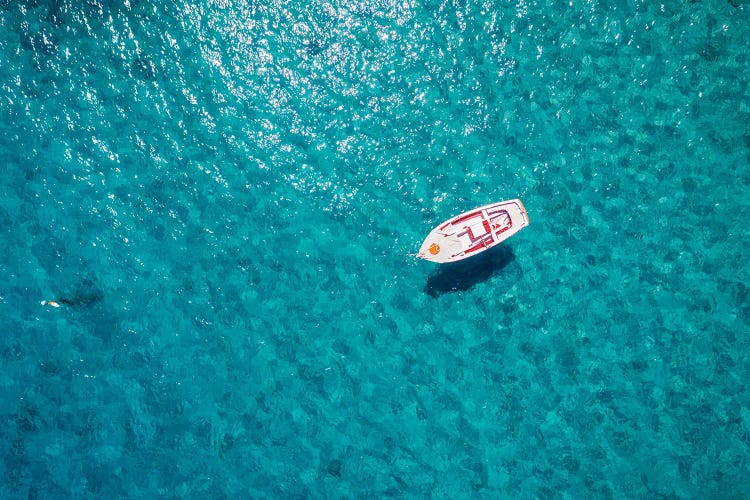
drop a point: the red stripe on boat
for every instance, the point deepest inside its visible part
(466, 217)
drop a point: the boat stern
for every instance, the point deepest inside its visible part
(524, 212)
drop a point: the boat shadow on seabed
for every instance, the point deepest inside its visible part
(464, 274)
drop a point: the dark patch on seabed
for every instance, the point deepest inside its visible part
(463, 275)
(144, 69)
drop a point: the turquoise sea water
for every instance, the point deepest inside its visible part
(223, 195)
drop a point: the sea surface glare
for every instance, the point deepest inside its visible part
(222, 196)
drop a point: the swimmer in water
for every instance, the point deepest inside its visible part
(85, 295)
(58, 302)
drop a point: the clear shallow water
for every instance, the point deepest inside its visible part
(226, 191)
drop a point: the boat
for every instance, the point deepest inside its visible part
(473, 232)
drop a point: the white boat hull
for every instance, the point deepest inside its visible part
(473, 232)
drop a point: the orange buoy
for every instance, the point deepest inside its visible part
(434, 249)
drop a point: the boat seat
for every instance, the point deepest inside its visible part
(479, 230)
(501, 223)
